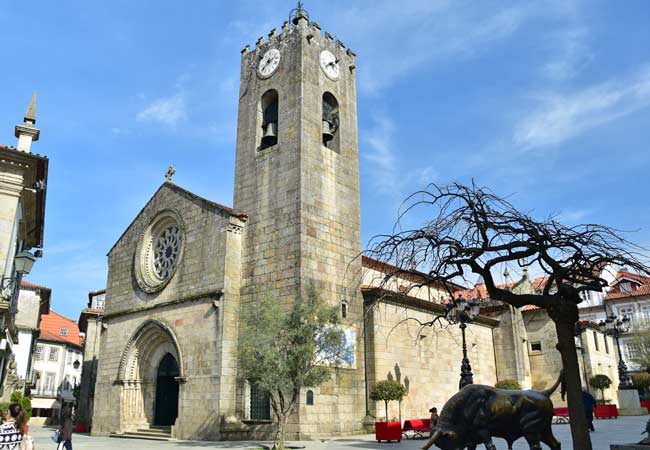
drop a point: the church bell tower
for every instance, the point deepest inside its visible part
(297, 178)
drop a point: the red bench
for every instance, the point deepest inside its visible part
(388, 431)
(645, 404)
(419, 427)
(605, 412)
(561, 414)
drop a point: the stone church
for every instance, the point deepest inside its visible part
(186, 267)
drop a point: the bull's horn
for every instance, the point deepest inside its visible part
(432, 440)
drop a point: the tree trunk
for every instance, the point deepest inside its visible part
(278, 442)
(386, 406)
(565, 316)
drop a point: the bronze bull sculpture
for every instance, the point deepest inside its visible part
(477, 413)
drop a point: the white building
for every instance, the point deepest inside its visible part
(33, 301)
(56, 365)
(628, 295)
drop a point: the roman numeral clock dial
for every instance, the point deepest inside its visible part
(269, 63)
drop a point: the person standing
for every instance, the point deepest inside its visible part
(589, 402)
(65, 432)
(12, 430)
(433, 420)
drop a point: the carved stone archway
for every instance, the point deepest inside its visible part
(138, 371)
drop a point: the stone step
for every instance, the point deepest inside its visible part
(151, 435)
(152, 430)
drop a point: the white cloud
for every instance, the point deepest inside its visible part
(396, 40)
(564, 116)
(573, 54)
(166, 110)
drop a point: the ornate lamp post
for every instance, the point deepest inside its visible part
(613, 326)
(463, 311)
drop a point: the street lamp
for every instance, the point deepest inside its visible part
(613, 326)
(463, 311)
(23, 263)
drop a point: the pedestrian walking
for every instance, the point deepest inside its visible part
(589, 402)
(65, 432)
(12, 430)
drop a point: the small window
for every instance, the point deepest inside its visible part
(625, 286)
(606, 344)
(596, 340)
(310, 397)
(260, 404)
(269, 108)
(344, 310)
(632, 351)
(38, 353)
(536, 346)
(63, 331)
(54, 354)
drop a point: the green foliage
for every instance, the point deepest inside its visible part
(600, 382)
(282, 350)
(386, 391)
(17, 397)
(26, 403)
(509, 384)
(641, 381)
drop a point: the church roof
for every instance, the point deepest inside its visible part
(188, 194)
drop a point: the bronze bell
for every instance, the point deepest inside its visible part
(270, 137)
(327, 133)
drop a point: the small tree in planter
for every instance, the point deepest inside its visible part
(386, 391)
(512, 385)
(600, 382)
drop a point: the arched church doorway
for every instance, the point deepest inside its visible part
(150, 370)
(167, 391)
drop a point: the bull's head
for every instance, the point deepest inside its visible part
(446, 440)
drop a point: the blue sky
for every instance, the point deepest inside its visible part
(548, 101)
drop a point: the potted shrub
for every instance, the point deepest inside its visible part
(386, 391)
(600, 382)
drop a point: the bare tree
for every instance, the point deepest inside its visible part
(469, 229)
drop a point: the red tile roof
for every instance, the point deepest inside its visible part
(643, 289)
(51, 325)
(27, 284)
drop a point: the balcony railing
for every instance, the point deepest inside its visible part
(46, 392)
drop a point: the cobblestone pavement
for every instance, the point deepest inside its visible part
(621, 430)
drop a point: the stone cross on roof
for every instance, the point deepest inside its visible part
(170, 173)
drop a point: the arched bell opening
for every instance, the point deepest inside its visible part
(331, 122)
(269, 109)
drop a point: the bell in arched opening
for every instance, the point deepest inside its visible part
(330, 118)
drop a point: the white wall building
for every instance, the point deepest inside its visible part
(56, 365)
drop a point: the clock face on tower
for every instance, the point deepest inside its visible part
(329, 64)
(268, 63)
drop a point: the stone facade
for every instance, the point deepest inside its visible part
(426, 360)
(193, 318)
(184, 270)
(546, 361)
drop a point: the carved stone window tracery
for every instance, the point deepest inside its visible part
(159, 252)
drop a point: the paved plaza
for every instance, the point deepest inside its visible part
(621, 430)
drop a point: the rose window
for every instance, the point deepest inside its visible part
(166, 250)
(159, 251)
